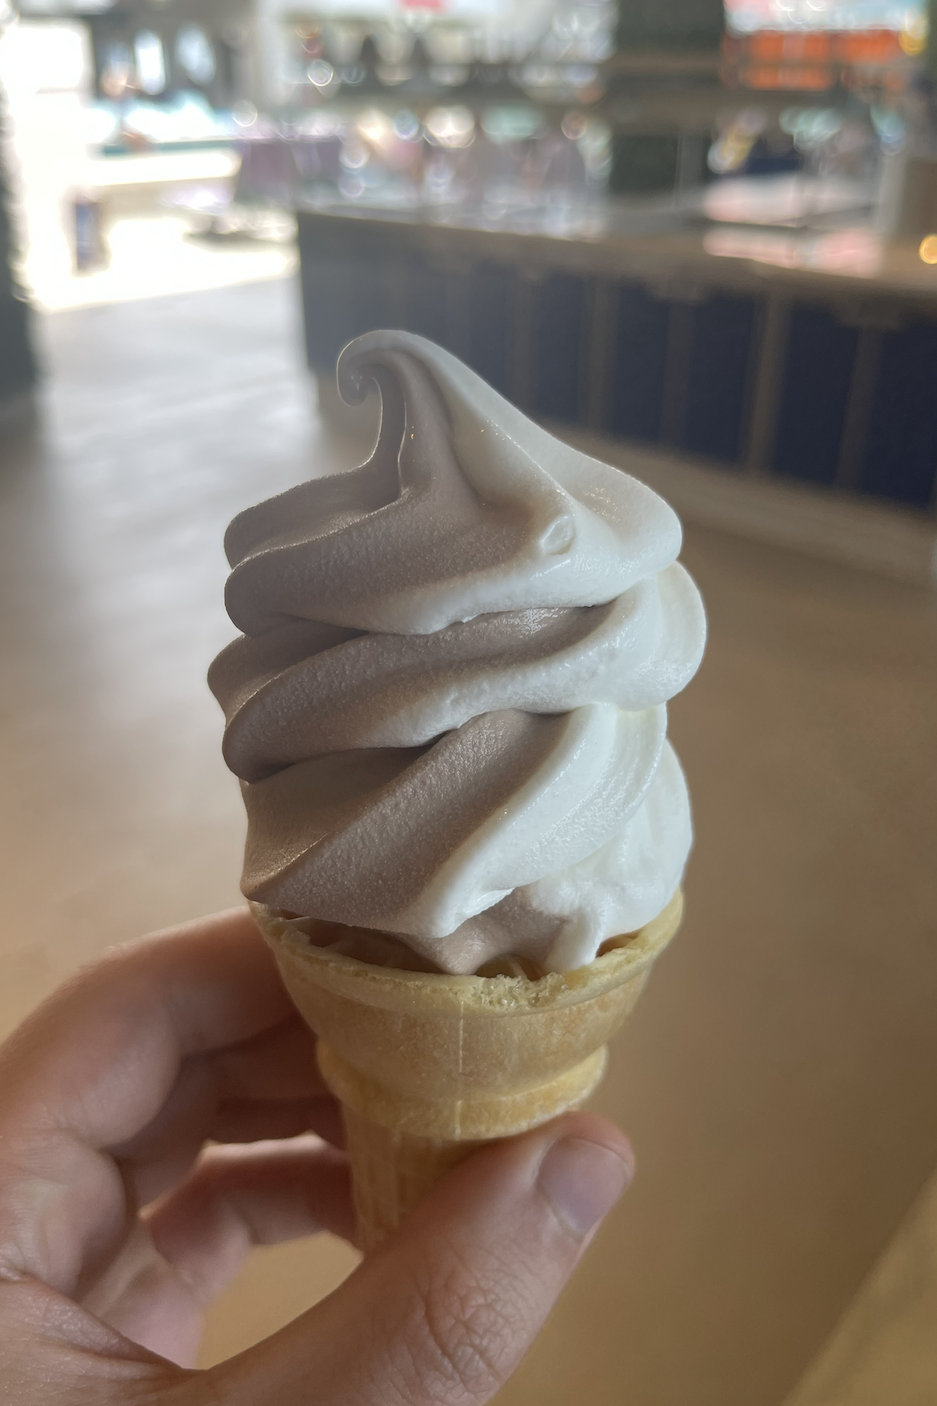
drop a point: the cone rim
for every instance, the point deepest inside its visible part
(391, 987)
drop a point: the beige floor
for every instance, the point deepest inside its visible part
(884, 1352)
(777, 1078)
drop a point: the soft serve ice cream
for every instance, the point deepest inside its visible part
(447, 708)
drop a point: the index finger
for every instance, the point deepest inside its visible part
(95, 1064)
(100, 1056)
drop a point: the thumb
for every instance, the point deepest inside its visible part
(444, 1311)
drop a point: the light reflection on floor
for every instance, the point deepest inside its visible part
(151, 256)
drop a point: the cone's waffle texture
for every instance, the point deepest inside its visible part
(428, 1067)
(392, 1172)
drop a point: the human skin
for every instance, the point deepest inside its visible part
(118, 1225)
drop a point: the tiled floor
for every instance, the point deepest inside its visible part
(778, 1076)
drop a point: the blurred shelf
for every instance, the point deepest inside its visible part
(807, 356)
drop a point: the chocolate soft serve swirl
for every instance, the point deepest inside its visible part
(447, 708)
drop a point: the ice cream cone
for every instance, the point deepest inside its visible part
(428, 1067)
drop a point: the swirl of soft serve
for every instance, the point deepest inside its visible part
(447, 708)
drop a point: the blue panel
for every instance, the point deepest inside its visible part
(820, 354)
(718, 379)
(341, 299)
(901, 449)
(426, 310)
(557, 347)
(491, 318)
(635, 387)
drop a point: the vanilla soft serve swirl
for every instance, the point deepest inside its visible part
(447, 708)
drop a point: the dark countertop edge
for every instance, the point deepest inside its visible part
(678, 263)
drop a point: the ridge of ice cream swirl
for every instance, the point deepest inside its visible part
(447, 708)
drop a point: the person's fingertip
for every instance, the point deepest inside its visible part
(581, 1179)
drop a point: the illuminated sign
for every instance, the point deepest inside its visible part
(748, 16)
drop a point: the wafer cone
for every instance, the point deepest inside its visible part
(429, 1067)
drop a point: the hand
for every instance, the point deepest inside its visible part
(117, 1225)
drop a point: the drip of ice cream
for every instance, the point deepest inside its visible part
(447, 708)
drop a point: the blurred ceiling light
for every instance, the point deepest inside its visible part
(395, 45)
(729, 153)
(595, 146)
(588, 19)
(449, 44)
(322, 123)
(577, 82)
(406, 125)
(540, 75)
(913, 36)
(752, 121)
(512, 124)
(928, 249)
(244, 113)
(394, 73)
(810, 126)
(195, 55)
(343, 42)
(375, 126)
(890, 127)
(45, 58)
(320, 73)
(187, 118)
(556, 47)
(732, 147)
(151, 62)
(449, 75)
(116, 71)
(101, 125)
(451, 126)
(354, 156)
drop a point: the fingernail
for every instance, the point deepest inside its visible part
(582, 1181)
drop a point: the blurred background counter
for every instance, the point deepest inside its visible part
(807, 353)
(706, 229)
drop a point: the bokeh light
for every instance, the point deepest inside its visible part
(928, 249)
